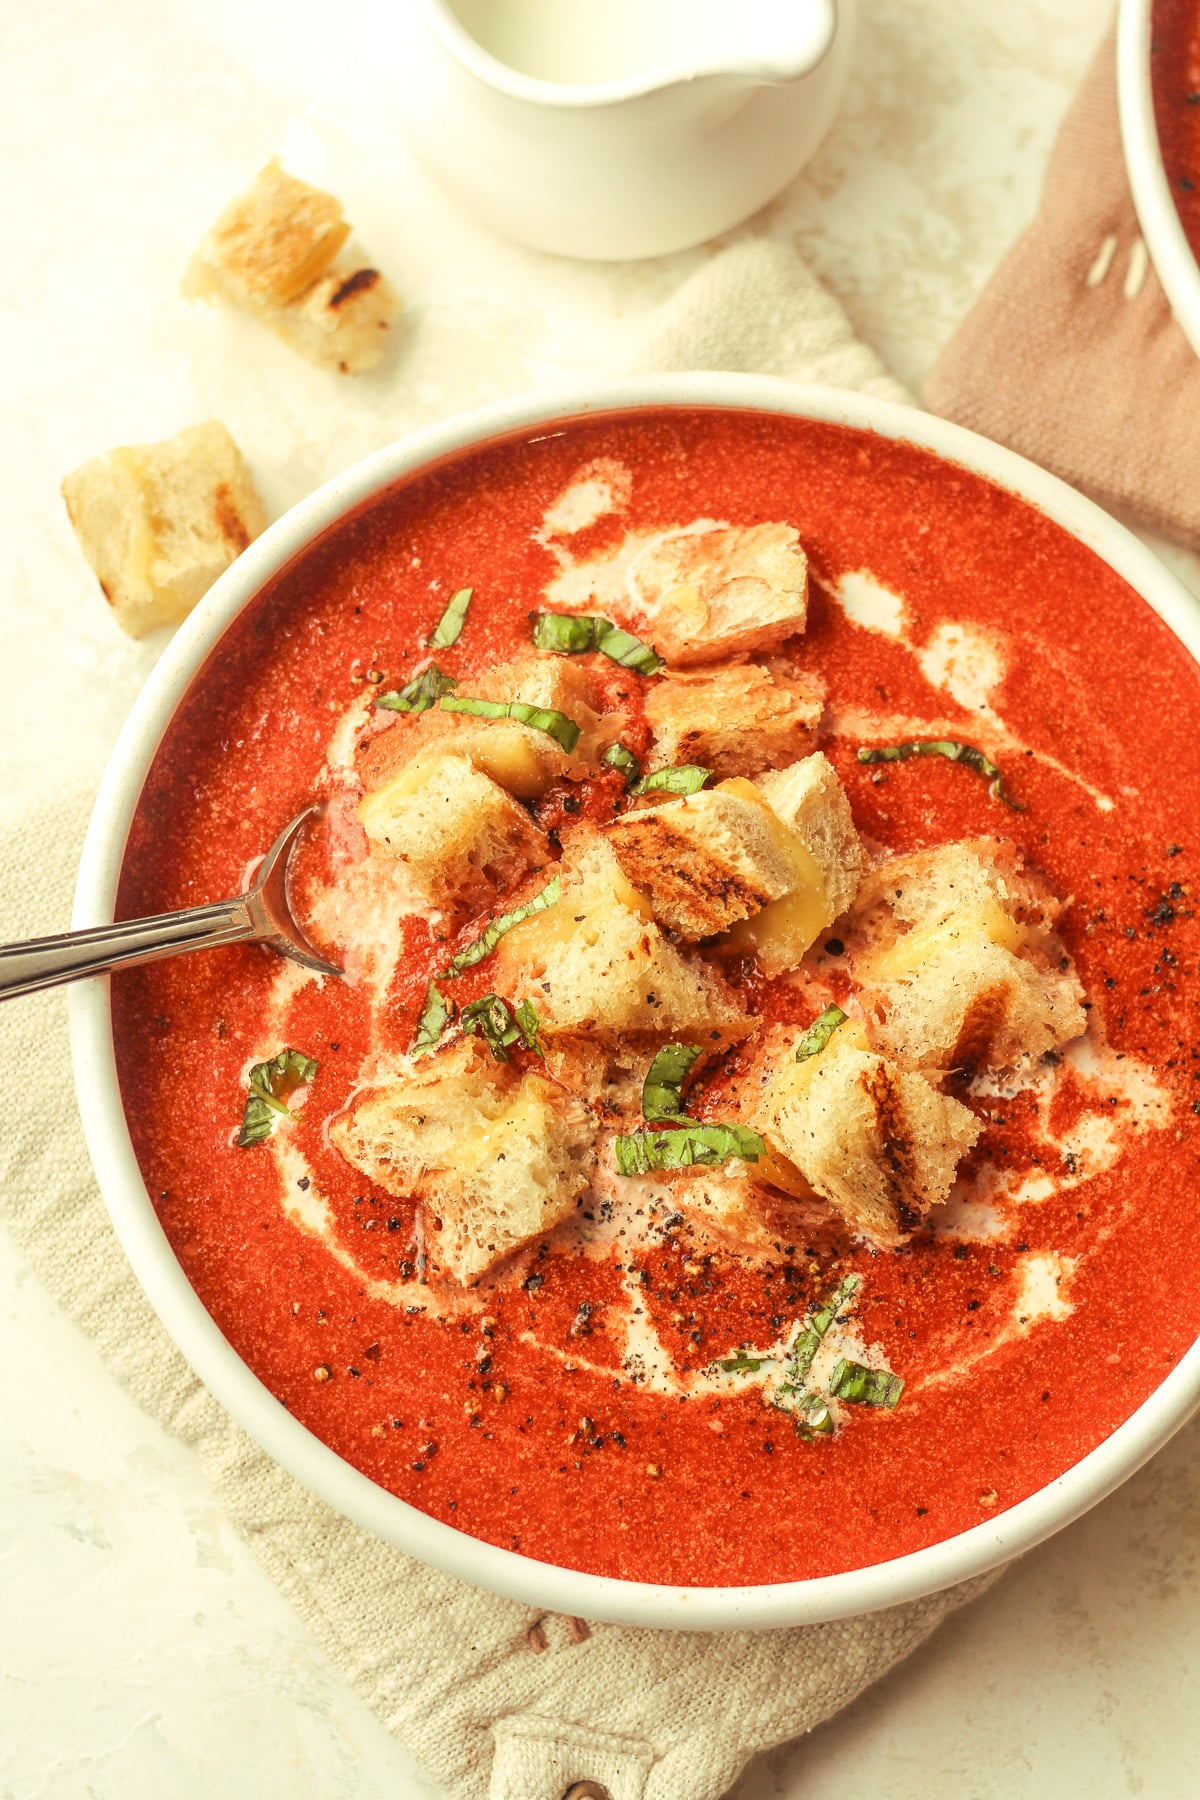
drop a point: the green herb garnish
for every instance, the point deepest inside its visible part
(800, 1356)
(491, 935)
(419, 694)
(968, 754)
(743, 1364)
(819, 1033)
(500, 1026)
(272, 1085)
(448, 629)
(618, 757)
(436, 1014)
(664, 1079)
(564, 731)
(570, 634)
(684, 778)
(865, 1387)
(643, 1151)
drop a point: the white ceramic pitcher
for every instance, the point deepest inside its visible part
(616, 128)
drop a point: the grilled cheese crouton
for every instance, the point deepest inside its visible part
(497, 1156)
(738, 719)
(706, 860)
(521, 758)
(707, 594)
(810, 803)
(880, 1144)
(276, 251)
(597, 962)
(958, 960)
(160, 522)
(766, 1205)
(456, 830)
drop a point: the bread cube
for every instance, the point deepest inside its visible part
(705, 595)
(497, 1156)
(459, 834)
(880, 1144)
(521, 758)
(160, 522)
(828, 862)
(597, 962)
(762, 1207)
(738, 719)
(707, 860)
(958, 961)
(275, 250)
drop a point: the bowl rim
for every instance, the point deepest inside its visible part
(1174, 260)
(318, 1468)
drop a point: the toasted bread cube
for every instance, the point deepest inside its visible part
(597, 962)
(958, 960)
(738, 719)
(457, 831)
(880, 1144)
(828, 860)
(707, 860)
(160, 522)
(275, 250)
(705, 595)
(520, 757)
(764, 1206)
(497, 1156)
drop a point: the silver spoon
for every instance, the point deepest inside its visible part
(260, 916)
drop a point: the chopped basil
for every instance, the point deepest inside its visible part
(448, 629)
(865, 1387)
(419, 694)
(564, 731)
(685, 778)
(643, 1151)
(819, 1033)
(570, 634)
(664, 1079)
(491, 935)
(811, 1416)
(618, 757)
(743, 1364)
(800, 1356)
(500, 1026)
(968, 754)
(436, 1014)
(272, 1085)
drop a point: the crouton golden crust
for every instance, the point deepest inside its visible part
(276, 251)
(709, 594)
(737, 719)
(703, 862)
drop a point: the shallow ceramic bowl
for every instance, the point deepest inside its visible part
(283, 1437)
(1173, 257)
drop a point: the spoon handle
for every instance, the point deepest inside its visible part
(46, 962)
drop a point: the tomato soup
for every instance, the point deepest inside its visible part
(572, 1405)
(1175, 83)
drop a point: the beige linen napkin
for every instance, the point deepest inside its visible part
(651, 1715)
(1071, 354)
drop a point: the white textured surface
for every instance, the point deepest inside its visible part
(143, 1654)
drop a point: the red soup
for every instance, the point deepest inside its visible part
(601, 1397)
(1175, 82)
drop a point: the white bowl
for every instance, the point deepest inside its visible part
(222, 1370)
(1173, 257)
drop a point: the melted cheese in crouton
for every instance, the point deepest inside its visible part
(597, 962)
(959, 962)
(460, 835)
(158, 523)
(880, 1144)
(498, 1157)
